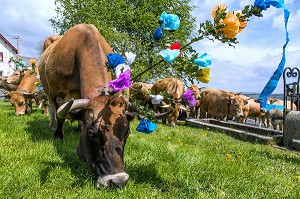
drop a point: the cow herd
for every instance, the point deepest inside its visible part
(75, 78)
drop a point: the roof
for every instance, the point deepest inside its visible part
(8, 43)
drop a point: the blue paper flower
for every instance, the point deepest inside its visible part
(169, 21)
(146, 126)
(114, 60)
(122, 83)
(169, 55)
(158, 34)
(40, 88)
(203, 60)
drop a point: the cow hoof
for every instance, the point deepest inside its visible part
(58, 135)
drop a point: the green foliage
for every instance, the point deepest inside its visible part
(129, 26)
(181, 162)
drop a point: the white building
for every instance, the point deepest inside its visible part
(7, 50)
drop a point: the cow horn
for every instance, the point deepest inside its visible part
(182, 108)
(71, 105)
(64, 109)
(163, 115)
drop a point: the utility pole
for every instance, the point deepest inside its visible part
(18, 46)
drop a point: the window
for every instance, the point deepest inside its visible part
(1, 72)
(1, 56)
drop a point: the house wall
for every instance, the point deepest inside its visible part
(6, 52)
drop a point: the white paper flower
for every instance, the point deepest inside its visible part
(121, 68)
(156, 99)
(130, 57)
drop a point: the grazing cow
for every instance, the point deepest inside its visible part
(22, 97)
(175, 88)
(73, 69)
(194, 110)
(11, 82)
(219, 103)
(253, 110)
(273, 115)
(141, 91)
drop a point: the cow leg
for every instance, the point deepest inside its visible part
(59, 130)
(52, 111)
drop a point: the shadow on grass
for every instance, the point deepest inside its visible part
(40, 131)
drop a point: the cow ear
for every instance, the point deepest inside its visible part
(245, 102)
(130, 115)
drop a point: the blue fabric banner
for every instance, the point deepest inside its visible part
(273, 82)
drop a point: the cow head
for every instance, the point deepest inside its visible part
(21, 102)
(16, 77)
(236, 105)
(174, 110)
(196, 91)
(103, 137)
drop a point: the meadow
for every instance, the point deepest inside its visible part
(180, 162)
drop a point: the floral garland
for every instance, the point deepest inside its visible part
(226, 25)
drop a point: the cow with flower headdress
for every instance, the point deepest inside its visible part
(75, 77)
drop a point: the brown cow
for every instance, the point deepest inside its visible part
(73, 67)
(253, 110)
(21, 98)
(220, 103)
(194, 110)
(174, 87)
(273, 113)
(141, 91)
(11, 82)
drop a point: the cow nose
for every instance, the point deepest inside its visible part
(117, 180)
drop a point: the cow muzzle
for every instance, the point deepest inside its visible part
(115, 180)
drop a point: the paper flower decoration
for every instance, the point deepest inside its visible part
(114, 60)
(243, 24)
(158, 33)
(189, 96)
(169, 21)
(9, 63)
(121, 68)
(40, 88)
(146, 126)
(175, 46)
(121, 83)
(33, 61)
(156, 99)
(232, 25)
(203, 60)
(203, 75)
(169, 55)
(130, 57)
(219, 8)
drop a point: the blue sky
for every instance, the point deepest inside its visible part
(246, 68)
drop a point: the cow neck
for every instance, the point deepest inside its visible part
(98, 85)
(228, 106)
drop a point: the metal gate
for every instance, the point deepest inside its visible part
(291, 78)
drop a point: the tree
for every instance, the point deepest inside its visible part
(128, 25)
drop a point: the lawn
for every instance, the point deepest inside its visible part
(180, 162)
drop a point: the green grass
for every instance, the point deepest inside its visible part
(181, 162)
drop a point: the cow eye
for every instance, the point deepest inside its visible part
(92, 134)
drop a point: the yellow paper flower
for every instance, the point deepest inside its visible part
(232, 26)
(33, 61)
(203, 75)
(220, 7)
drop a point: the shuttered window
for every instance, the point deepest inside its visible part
(1, 56)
